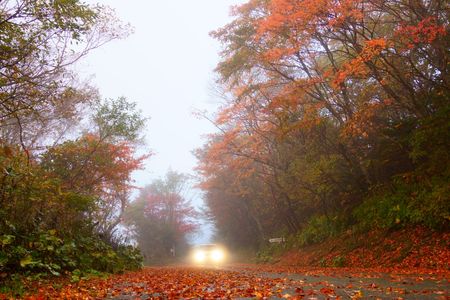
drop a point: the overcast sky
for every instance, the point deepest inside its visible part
(166, 66)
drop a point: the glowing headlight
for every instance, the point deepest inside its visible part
(217, 255)
(199, 256)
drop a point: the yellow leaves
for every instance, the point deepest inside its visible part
(6, 239)
(357, 295)
(26, 261)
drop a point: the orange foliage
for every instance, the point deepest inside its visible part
(363, 121)
(94, 164)
(426, 31)
(356, 67)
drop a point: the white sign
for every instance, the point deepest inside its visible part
(277, 240)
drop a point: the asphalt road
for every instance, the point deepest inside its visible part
(262, 282)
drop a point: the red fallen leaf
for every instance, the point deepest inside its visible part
(299, 291)
(310, 293)
(39, 297)
(327, 291)
(259, 295)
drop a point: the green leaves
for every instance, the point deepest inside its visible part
(405, 204)
(27, 260)
(7, 239)
(47, 254)
(118, 119)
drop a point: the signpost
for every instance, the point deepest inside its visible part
(277, 240)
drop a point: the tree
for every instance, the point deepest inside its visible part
(100, 164)
(62, 194)
(162, 217)
(102, 170)
(39, 40)
(327, 101)
(118, 120)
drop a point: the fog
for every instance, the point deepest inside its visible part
(166, 66)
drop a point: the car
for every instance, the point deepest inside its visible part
(208, 254)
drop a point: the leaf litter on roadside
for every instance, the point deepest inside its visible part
(245, 281)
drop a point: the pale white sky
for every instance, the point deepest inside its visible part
(166, 66)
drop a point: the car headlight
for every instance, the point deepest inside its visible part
(217, 255)
(199, 256)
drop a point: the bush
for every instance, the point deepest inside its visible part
(406, 203)
(48, 254)
(269, 251)
(320, 228)
(45, 229)
(430, 143)
(338, 261)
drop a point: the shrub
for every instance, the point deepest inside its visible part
(48, 254)
(269, 251)
(321, 227)
(406, 203)
(45, 229)
(338, 261)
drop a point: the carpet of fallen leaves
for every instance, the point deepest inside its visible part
(253, 282)
(402, 249)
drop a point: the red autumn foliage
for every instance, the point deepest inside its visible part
(172, 208)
